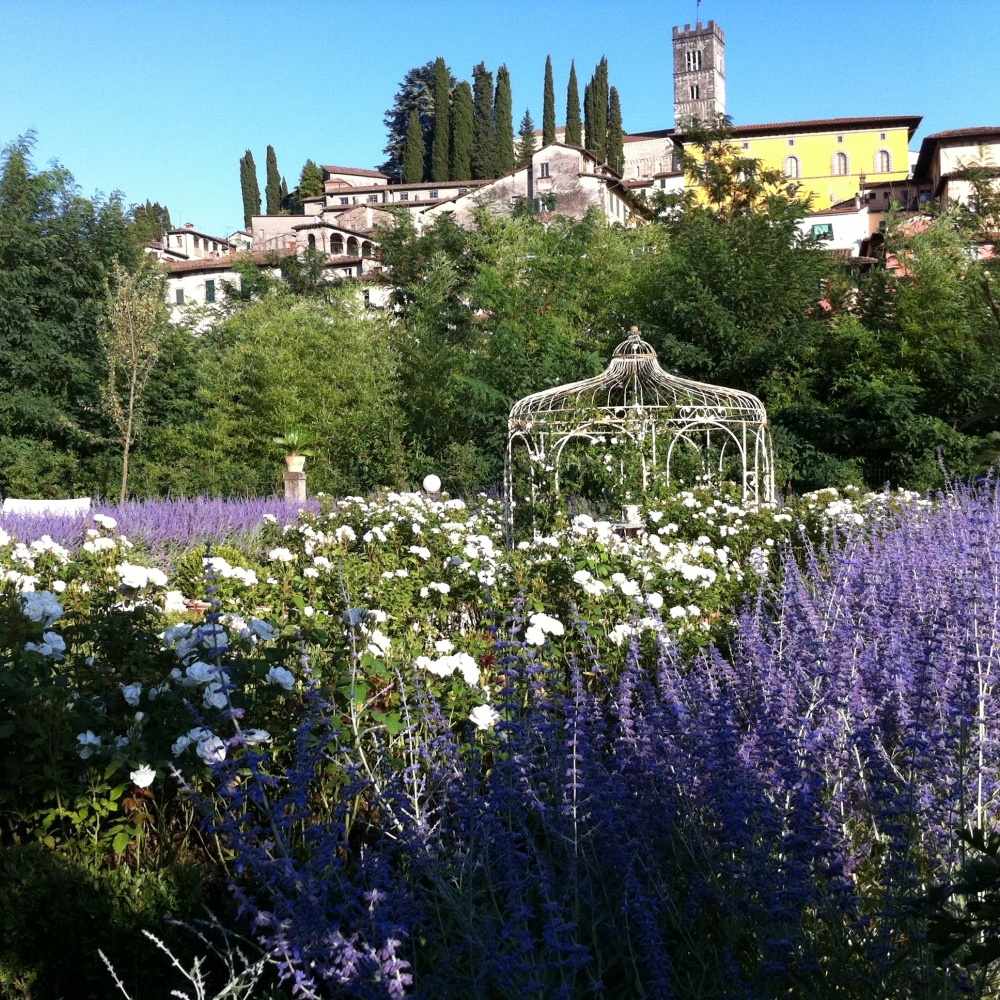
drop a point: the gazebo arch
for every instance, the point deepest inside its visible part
(635, 410)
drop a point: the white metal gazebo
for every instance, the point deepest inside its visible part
(658, 416)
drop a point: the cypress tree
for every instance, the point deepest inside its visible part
(526, 137)
(413, 151)
(284, 194)
(548, 106)
(599, 108)
(250, 188)
(461, 133)
(573, 135)
(503, 116)
(272, 188)
(441, 138)
(484, 139)
(616, 134)
(588, 116)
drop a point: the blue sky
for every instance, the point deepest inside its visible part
(160, 99)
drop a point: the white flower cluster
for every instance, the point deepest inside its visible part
(539, 626)
(450, 663)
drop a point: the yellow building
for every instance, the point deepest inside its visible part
(832, 158)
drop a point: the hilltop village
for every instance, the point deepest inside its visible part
(855, 169)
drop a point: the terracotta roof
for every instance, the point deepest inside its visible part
(932, 141)
(355, 172)
(260, 257)
(910, 122)
(196, 232)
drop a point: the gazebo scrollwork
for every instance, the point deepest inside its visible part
(650, 414)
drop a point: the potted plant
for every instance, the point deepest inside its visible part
(294, 441)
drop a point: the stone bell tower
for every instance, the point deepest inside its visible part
(699, 72)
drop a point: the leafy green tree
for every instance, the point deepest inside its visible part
(526, 140)
(441, 137)
(272, 187)
(503, 116)
(310, 181)
(548, 106)
(132, 333)
(574, 130)
(413, 152)
(288, 361)
(415, 93)
(250, 188)
(152, 221)
(462, 133)
(56, 249)
(616, 133)
(485, 165)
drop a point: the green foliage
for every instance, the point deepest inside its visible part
(441, 139)
(415, 93)
(503, 117)
(56, 249)
(272, 187)
(152, 221)
(526, 140)
(413, 152)
(462, 132)
(548, 106)
(282, 362)
(574, 127)
(310, 181)
(250, 188)
(616, 133)
(485, 160)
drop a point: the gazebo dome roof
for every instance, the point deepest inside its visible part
(633, 383)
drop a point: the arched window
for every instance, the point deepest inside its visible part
(883, 161)
(841, 165)
(692, 60)
(366, 249)
(791, 166)
(312, 241)
(352, 247)
(337, 244)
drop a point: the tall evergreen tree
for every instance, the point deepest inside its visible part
(415, 93)
(599, 98)
(503, 116)
(526, 140)
(461, 133)
(152, 221)
(413, 151)
(441, 131)
(574, 136)
(272, 187)
(588, 116)
(484, 137)
(616, 133)
(548, 106)
(283, 191)
(310, 181)
(250, 188)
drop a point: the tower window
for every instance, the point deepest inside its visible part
(692, 60)
(695, 91)
(791, 166)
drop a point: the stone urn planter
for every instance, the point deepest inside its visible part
(295, 463)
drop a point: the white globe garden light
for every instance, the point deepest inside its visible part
(432, 484)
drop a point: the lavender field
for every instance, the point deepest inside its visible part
(743, 754)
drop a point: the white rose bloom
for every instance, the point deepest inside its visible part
(89, 744)
(281, 677)
(281, 555)
(41, 606)
(131, 693)
(143, 776)
(211, 749)
(52, 645)
(252, 736)
(484, 716)
(105, 522)
(654, 600)
(262, 630)
(444, 646)
(534, 636)
(215, 696)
